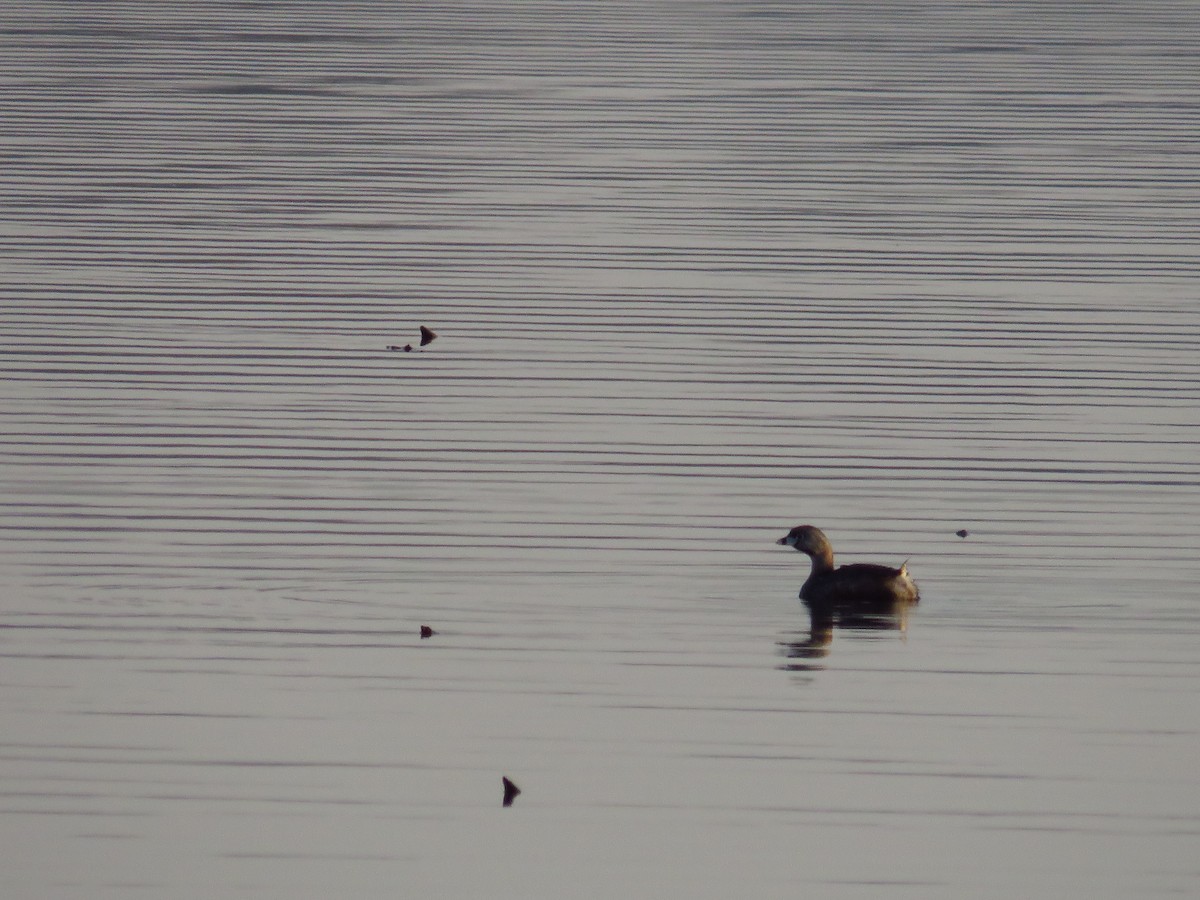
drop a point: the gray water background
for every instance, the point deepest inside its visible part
(700, 272)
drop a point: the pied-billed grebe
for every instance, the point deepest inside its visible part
(857, 583)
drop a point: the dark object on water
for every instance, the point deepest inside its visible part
(427, 632)
(962, 532)
(510, 791)
(855, 584)
(427, 337)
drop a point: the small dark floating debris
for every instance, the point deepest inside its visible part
(962, 532)
(427, 632)
(427, 337)
(510, 791)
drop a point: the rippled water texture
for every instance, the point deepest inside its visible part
(699, 272)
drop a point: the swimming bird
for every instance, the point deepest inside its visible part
(856, 585)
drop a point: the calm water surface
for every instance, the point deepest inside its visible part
(700, 272)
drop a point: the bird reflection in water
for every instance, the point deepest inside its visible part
(864, 615)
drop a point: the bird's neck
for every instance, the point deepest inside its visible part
(822, 561)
